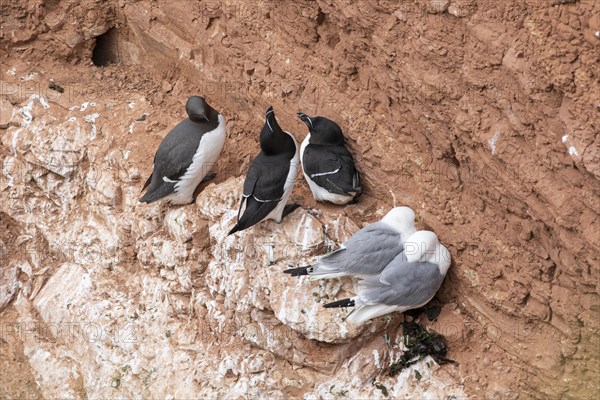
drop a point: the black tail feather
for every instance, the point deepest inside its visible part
(147, 183)
(300, 271)
(254, 213)
(209, 177)
(157, 192)
(340, 303)
(235, 229)
(288, 209)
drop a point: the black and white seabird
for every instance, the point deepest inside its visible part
(368, 251)
(410, 281)
(186, 155)
(270, 178)
(326, 162)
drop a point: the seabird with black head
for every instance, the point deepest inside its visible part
(186, 155)
(327, 164)
(270, 178)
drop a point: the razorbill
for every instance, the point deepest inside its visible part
(186, 155)
(327, 164)
(368, 251)
(270, 178)
(407, 283)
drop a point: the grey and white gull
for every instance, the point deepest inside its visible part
(368, 251)
(410, 281)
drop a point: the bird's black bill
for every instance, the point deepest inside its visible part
(271, 121)
(196, 109)
(306, 119)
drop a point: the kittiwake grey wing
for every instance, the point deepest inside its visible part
(367, 252)
(402, 284)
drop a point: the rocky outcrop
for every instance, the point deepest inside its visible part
(482, 117)
(159, 301)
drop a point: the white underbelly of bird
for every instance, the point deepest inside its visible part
(206, 156)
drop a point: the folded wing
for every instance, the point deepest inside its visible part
(367, 252)
(332, 168)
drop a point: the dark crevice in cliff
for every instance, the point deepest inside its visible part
(106, 50)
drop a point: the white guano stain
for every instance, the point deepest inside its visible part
(26, 111)
(376, 358)
(492, 142)
(44, 102)
(305, 231)
(91, 118)
(8, 169)
(573, 151)
(14, 141)
(28, 77)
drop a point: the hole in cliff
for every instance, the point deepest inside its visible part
(106, 50)
(320, 17)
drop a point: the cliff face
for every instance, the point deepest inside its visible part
(483, 117)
